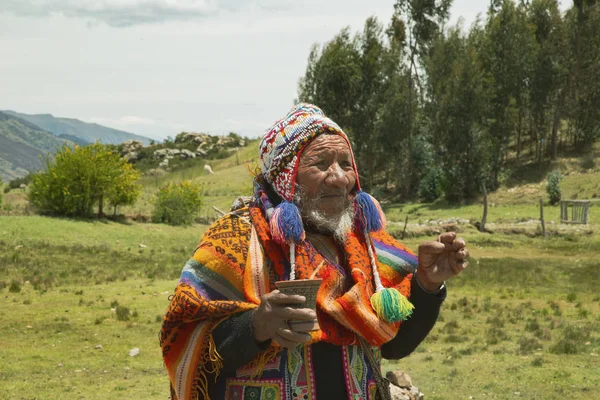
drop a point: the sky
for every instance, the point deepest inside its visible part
(160, 67)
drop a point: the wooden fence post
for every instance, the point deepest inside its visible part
(542, 217)
(485, 208)
(405, 223)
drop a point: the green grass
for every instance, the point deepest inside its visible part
(523, 321)
(525, 313)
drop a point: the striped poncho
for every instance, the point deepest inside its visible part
(236, 263)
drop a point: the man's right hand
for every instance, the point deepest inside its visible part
(269, 320)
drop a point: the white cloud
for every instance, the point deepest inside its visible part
(122, 13)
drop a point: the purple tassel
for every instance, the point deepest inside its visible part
(368, 213)
(286, 224)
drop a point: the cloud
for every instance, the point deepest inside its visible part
(123, 13)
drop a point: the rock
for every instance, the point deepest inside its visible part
(242, 143)
(98, 347)
(201, 152)
(399, 393)
(143, 246)
(185, 153)
(131, 156)
(132, 146)
(59, 365)
(164, 164)
(22, 186)
(19, 247)
(134, 352)
(399, 378)
(208, 169)
(159, 153)
(418, 395)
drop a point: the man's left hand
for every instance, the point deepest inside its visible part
(440, 260)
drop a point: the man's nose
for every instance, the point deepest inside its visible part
(336, 176)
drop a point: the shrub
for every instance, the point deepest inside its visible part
(528, 345)
(572, 340)
(15, 287)
(177, 204)
(430, 187)
(123, 313)
(553, 187)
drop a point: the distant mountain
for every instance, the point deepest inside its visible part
(23, 145)
(76, 128)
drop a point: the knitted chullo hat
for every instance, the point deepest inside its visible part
(279, 152)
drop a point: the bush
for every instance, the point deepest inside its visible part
(123, 313)
(430, 187)
(177, 204)
(79, 178)
(553, 187)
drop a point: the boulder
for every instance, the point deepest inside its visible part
(131, 156)
(399, 378)
(131, 146)
(185, 153)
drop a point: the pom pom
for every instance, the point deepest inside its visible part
(368, 213)
(390, 305)
(286, 224)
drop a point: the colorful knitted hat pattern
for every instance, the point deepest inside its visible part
(280, 151)
(283, 144)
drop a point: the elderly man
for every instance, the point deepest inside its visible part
(227, 332)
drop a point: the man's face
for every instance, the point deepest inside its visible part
(325, 177)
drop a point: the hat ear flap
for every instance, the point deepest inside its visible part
(368, 212)
(286, 224)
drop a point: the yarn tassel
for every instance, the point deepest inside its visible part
(286, 224)
(388, 303)
(369, 213)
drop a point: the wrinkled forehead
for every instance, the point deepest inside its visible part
(327, 144)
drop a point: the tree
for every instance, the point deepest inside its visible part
(78, 178)
(125, 190)
(177, 204)
(508, 54)
(458, 99)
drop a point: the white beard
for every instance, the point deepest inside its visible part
(339, 226)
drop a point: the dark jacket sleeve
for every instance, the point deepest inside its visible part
(414, 330)
(235, 341)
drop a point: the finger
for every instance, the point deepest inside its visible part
(276, 297)
(284, 343)
(447, 237)
(459, 244)
(459, 267)
(432, 247)
(301, 314)
(291, 336)
(462, 254)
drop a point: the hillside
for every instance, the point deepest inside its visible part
(22, 146)
(76, 128)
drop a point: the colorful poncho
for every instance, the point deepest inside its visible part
(237, 262)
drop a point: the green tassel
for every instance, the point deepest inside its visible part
(390, 305)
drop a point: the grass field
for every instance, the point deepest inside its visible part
(523, 321)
